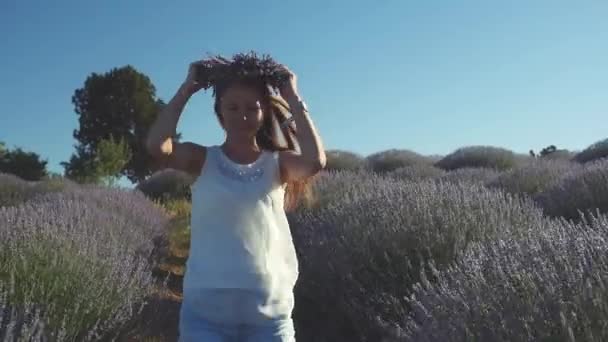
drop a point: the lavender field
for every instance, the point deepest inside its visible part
(480, 245)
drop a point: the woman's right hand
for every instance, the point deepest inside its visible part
(193, 83)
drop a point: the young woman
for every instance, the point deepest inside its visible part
(242, 266)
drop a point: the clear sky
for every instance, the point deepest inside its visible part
(430, 76)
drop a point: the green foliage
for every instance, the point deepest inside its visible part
(179, 232)
(178, 207)
(80, 167)
(548, 150)
(26, 165)
(104, 166)
(111, 158)
(120, 104)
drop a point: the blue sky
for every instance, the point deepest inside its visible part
(430, 76)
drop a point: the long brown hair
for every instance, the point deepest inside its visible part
(276, 112)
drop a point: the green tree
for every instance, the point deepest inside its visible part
(111, 158)
(26, 165)
(80, 167)
(548, 150)
(2, 148)
(104, 166)
(120, 104)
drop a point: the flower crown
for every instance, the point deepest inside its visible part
(242, 66)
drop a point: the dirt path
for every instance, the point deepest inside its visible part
(159, 320)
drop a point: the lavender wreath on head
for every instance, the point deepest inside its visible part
(242, 66)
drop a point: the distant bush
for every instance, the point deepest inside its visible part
(389, 160)
(552, 152)
(479, 157)
(370, 240)
(338, 160)
(550, 286)
(14, 190)
(434, 158)
(75, 265)
(560, 155)
(416, 172)
(167, 184)
(581, 189)
(24, 164)
(472, 175)
(596, 151)
(533, 177)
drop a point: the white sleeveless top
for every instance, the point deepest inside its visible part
(240, 236)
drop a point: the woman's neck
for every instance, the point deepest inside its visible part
(242, 148)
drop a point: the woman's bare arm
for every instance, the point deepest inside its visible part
(311, 159)
(188, 157)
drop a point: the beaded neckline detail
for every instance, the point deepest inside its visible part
(240, 172)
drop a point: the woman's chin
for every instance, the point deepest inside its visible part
(247, 129)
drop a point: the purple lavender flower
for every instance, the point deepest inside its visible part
(580, 191)
(75, 265)
(548, 286)
(364, 243)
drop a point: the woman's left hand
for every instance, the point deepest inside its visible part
(289, 90)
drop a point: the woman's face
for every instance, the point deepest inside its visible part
(242, 110)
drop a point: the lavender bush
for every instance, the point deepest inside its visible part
(14, 190)
(75, 265)
(335, 186)
(393, 159)
(479, 156)
(343, 160)
(597, 150)
(549, 286)
(533, 177)
(166, 185)
(471, 175)
(580, 190)
(416, 172)
(361, 251)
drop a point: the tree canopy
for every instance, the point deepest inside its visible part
(24, 164)
(117, 107)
